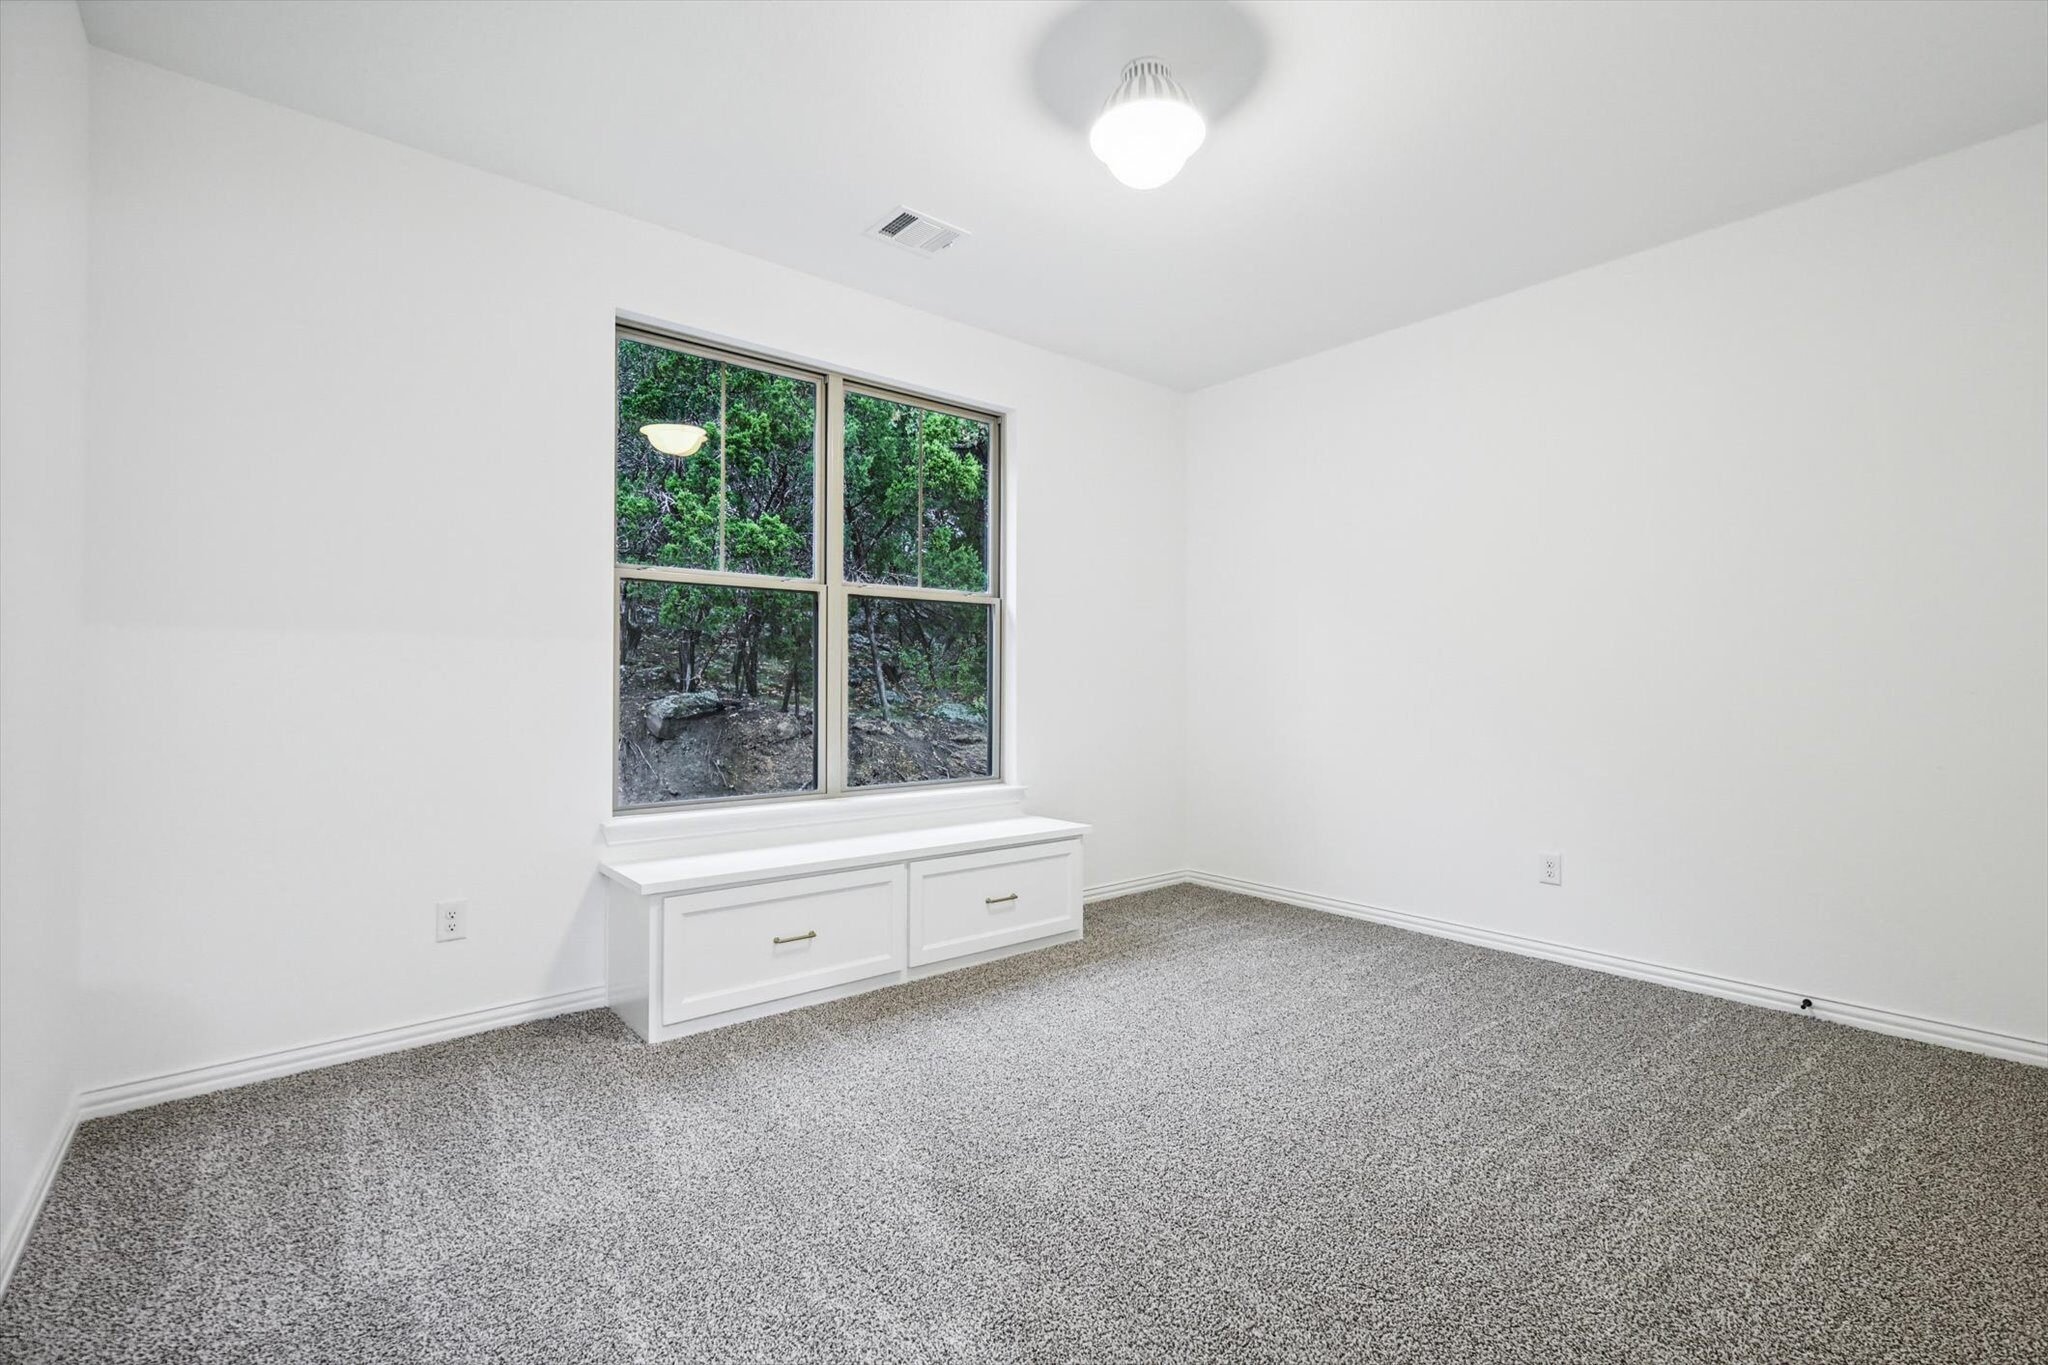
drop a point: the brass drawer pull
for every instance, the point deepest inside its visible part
(998, 900)
(796, 938)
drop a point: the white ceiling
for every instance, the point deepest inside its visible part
(1390, 162)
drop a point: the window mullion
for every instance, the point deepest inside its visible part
(656, 573)
(832, 680)
(722, 371)
(920, 497)
(911, 592)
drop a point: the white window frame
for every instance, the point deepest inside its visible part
(828, 582)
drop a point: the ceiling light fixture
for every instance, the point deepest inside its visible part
(1148, 128)
(674, 438)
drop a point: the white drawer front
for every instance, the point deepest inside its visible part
(720, 949)
(978, 901)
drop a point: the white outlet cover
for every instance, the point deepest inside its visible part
(451, 921)
(1551, 870)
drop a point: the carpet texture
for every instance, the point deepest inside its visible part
(1216, 1130)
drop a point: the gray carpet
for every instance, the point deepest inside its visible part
(1217, 1130)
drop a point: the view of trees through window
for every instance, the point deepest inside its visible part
(917, 514)
(726, 605)
(722, 686)
(918, 690)
(916, 496)
(743, 503)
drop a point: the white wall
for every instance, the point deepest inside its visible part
(44, 188)
(347, 614)
(1722, 568)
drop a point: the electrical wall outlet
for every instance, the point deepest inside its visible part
(1553, 869)
(451, 921)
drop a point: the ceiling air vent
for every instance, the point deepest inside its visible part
(916, 232)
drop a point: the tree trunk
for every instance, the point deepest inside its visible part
(925, 647)
(875, 656)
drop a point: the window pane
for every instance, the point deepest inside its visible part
(717, 692)
(917, 496)
(770, 478)
(668, 504)
(667, 507)
(955, 502)
(881, 490)
(918, 686)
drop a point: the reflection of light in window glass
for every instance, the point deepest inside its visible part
(744, 502)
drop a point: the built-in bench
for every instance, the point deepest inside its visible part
(707, 939)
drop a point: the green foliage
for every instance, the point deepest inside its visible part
(668, 514)
(911, 656)
(734, 641)
(898, 456)
(770, 472)
(917, 511)
(905, 655)
(667, 509)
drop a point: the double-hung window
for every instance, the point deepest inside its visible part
(807, 581)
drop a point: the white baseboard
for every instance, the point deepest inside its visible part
(139, 1094)
(178, 1085)
(1961, 1036)
(14, 1238)
(1132, 886)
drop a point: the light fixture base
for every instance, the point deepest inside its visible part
(1148, 127)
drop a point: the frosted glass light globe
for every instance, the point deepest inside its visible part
(674, 438)
(1148, 128)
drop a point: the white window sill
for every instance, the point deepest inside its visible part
(974, 801)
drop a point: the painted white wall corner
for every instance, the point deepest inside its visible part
(44, 193)
(1721, 568)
